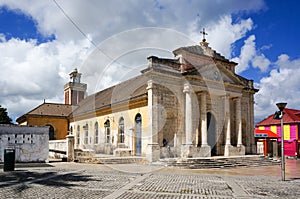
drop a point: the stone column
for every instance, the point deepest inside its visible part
(188, 115)
(70, 148)
(153, 149)
(203, 120)
(227, 120)
(239, 121)
(228, 146)
(205, 149)
(250, 128)
(241, 150)
(187, 148)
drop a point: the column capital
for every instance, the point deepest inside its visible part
(187, 88)
(237, 98)
(150, 84)
(203, 92)
(227, 96)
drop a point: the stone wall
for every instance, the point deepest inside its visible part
(30, 143)
(168, 112)
(60, 145)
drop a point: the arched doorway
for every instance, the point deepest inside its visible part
(51, 132)
(138, 134)
(211, 133)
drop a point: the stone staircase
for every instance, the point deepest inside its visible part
(188, 163)
(222, 162)
(111, 160)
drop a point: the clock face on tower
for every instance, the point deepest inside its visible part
(76, 79)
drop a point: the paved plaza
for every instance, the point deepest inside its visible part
(78, 180)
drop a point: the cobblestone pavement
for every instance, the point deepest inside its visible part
(74, 180)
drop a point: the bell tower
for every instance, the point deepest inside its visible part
(74, 90)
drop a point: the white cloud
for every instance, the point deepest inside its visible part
(282, 85)
(247, 54)
(32, 72)
(225, 33)
(250, 56)
(261, 62)
(266, 47)
(102, 19)
(2, 37)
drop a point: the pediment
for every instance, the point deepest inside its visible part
(212, 71)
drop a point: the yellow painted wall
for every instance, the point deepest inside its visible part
(129, 125)
(287, 132)
(273, 129)
(60, 125)
(261, 128)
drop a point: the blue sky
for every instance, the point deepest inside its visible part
(15, 24)
(276, 27)
(40, 44)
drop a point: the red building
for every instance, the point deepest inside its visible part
(268, 131)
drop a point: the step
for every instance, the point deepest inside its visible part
(224, 162)
(123, 160)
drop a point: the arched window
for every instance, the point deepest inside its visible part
(96, 133)
(78, 135)
(121, 130)
(107, 131)
(51, 132)
(86, 135)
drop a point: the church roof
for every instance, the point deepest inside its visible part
(120, 93)
(49, 109)
(52, 109)
(290, 116)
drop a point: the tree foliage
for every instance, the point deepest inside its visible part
(4, 118)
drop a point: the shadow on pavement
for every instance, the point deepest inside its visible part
(28, 165)
(21, 180)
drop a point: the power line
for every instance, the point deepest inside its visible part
(76, 26)
(85, 35)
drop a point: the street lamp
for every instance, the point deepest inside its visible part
(279, 115)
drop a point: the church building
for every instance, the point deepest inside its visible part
(191, 105)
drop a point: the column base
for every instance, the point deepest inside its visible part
(234, 151)
(205, 151)
(187, 151)
(153, 153)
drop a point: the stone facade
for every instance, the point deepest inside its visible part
(30, 143)
(191, 106)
